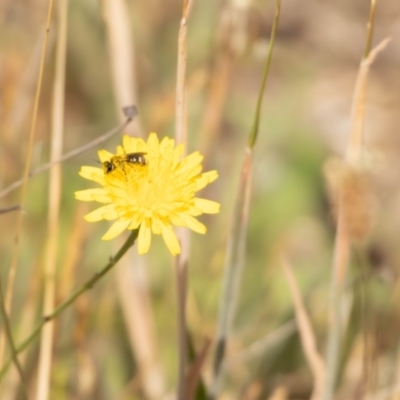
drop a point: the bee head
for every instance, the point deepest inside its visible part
(108, 166)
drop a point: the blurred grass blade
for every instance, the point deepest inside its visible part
(256, 123)
(132, 275)
(18, 228)
(182, 260)
(7, 329)
(89, 284)
(196, 389)
(54, 195)
(307, 336)
(342, 249)
(100, 139)
(236, 247)
(234, 265)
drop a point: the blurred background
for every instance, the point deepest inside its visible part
(304, 128)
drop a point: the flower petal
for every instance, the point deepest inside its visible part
(92, 173)
(205, 179)
(207, 206)
(144, 238)
(116, 229)
(192, 223)
(101, 213)
(87, 194)
(105, 155)
(171, 240)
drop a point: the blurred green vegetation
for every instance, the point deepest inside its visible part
(305, 120)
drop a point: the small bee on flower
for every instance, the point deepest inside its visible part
(150, 187)
(121, 161)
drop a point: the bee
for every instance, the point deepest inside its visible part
(137, 158)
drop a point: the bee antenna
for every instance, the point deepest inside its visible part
(96, 161)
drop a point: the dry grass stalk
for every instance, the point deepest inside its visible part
(194, 371)
(7, 328)
(236, 247)
(258, 348)
(307, 336)
(46, 343)
(121, 50)
(181, 262)
(342, 239)
(132, 282)
(15, 251)
(11, 384)
(130, 113)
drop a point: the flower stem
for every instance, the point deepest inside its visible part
(73, 296)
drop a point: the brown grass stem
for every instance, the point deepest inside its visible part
(130, 113)
(132, 275)
(55, 186)
(10, 209)
(307, 336)
(89, 284)
(15, 251)
(181, 262)
(370, 28)
(342, 241)
(121, 49)
(14, 356)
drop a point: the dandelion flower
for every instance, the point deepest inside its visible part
(150, 187)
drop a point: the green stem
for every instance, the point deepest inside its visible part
(256, 123)
(72, 297)
(370, 29)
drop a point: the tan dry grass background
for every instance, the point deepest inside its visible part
(305, 121)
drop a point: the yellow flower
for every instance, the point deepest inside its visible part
(148, 186)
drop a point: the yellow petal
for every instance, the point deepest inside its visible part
(195, 225)
(96, 215)
(205, 179)
(144, 239)
(102, 198)
(207, 206)
(153, 143)
(178, 151)
(133, 145)
(193, 159)
(87, 195)
(156, 226)
(105, 155)
(171, 240)
(92, 173)
(190, 222)
(116, 228)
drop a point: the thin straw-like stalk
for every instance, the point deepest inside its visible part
(307, 336)
(10, 339)
(130, 113)
(181, 262)
(342, 241)
(46, 344)
(26, 323)
(73, 296)
(259, 347)
(121, 50)
(132, 280)
(236, 247)
(10, 209)
(15, 251)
